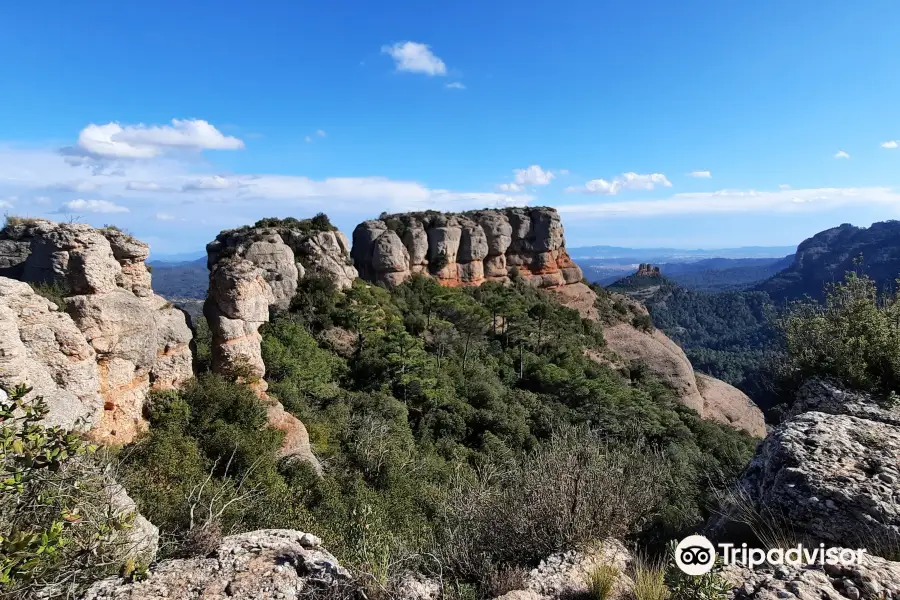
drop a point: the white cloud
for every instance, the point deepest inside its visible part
(455, 85)
(92, 206)
(625, 181)
(142, 141)
(143, 186)
(214, 182)
(415, 58)
(841, 154)
(784, 186)
(509, 187)
(308, 139)
(161, 216)
(74, 186)
(320, 132)
(563, 171)
(5, 204)
(41, 200)
(739, 201)
(533, 175)
(700, 174)
(890, 144)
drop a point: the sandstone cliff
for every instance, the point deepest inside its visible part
(96, 357)
(254, 271)
(467, 248)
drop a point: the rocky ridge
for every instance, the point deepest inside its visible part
(467, 248)
(95, 358)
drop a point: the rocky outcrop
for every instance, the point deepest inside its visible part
(565, 575)
(873, 579)
(467, 248)
(255, 271)
(265, 564)
(831, 471)
(711, 398)
(128, 339)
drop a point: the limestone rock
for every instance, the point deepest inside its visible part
(264, 565)
(564, 575)
(390, 256)
(874, 579)
(41, 346)
(834, 477)
(134, 338)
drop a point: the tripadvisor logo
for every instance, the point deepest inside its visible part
(696, 555)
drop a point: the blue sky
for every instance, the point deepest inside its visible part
(178, 119)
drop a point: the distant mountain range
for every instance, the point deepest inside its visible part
(671, 255)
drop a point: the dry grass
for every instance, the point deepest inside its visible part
(772, 530)
(601, 580)
(649, 579)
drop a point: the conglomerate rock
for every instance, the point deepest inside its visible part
(467, 248)
(832, 474)
(263, 565)
(130, 340)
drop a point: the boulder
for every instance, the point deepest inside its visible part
(565, 574)
(265, 565)
(833, 475)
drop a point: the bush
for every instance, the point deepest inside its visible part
(649, 578)
(59, 525)
(854, 336)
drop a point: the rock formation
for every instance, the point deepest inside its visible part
(648, 270)
(711, 398)
(254, 271)
(831, 471)
(264, 564)
(467, 248)
(116, 340)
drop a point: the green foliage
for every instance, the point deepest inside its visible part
(320, 222)
(649, 578)
(56, 292)
(57, 529)
(854, 336)
(709, 586)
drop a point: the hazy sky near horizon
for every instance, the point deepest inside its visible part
(683, 124)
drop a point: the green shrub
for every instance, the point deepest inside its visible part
(59, 529)
(854, 336)
(56, 292)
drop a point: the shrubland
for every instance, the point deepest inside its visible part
(461, 430)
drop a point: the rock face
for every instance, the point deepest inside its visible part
(874, 579)
(711, 398)
(832, 470)
(264, 564)
(467, 248)
(253, 271)
(116, 340)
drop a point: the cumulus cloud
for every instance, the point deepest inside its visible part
(700, 174)
(113, 141)
(533, 175)
(455, 85)
(414, 57)
(739, 201)
(92, 206)
(625, 181)
(890, 144)
(841, 154)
